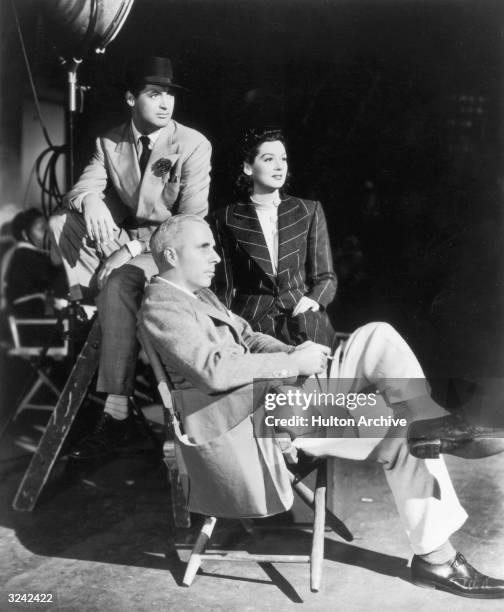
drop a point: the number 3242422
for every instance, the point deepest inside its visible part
(30, 597)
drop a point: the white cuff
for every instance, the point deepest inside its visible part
(134, 247)
(76, 201)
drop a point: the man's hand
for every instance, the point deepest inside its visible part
(307, 343)
(304, 304)
(310, 358)
(116, 260)
(100, 225)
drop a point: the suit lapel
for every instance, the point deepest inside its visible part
(213, 307)
(153, 182)
(290, 229)
(247, 230)
(144, 192)
(206, 302)
(127, 165)
(210, 304)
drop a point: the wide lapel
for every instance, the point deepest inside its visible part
(153, 182)
(290, 230)
(247, 230)
(210, 304)
(127, 166)
(206, 300)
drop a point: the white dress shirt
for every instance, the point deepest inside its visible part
(267, 214)
(165, 280)
(135, 246)
(153, 136)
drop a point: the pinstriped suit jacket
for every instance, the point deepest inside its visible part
(246, 282)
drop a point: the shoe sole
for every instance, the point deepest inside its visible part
(472, 448)
(425, 449)
(445, 589)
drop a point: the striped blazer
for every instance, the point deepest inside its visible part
(245, 280)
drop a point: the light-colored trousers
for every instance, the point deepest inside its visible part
(118, 302)
(376, 354)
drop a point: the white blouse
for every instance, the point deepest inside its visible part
(268, 218)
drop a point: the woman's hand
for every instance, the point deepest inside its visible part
(304, 304)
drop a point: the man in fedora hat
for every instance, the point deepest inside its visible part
(141, 173)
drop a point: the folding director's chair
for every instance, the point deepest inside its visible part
(173, 457)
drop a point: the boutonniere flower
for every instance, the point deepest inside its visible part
(162, 166)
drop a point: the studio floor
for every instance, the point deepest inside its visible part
(103, 539)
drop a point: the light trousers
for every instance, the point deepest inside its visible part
(118, 302)
(376, 356)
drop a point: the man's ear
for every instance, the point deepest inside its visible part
(130, 99)
(24, 235)
(247, 169)
(170, 256)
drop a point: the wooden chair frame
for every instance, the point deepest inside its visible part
(315, 500)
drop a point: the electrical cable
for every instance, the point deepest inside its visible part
(51, 194)
(30, 77)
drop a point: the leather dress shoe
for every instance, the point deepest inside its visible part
(457, 577)
(452, 434)
(112, 437)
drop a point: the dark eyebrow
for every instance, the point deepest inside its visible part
(264, 154)
(161, 90)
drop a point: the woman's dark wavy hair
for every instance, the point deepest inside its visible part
(248, 148)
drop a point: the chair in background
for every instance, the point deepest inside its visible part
(41, 341)
(178, 450)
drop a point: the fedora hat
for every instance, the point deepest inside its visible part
(153, 71)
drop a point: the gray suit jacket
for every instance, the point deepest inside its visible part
(113, 173)
(212, 355)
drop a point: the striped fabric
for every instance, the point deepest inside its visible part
(246, 282)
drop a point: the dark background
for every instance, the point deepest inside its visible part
(393, 115)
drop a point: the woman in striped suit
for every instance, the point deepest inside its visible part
(276, 268)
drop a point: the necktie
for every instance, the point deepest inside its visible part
(144, 157)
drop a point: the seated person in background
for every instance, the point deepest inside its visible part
(208, 348)
(277, 270)
(31, 276)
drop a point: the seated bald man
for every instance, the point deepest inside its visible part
(205, 347)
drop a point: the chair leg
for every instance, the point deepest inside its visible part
(317, 551)
(26, 400)
(307, 496)
(195, 560)
(49, 383)
(26, 403)
(181, 516)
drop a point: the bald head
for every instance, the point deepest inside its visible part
(172, 234)
(183, 249)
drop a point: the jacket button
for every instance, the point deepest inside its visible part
(280, 374)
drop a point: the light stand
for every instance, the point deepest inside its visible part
(71, 112)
